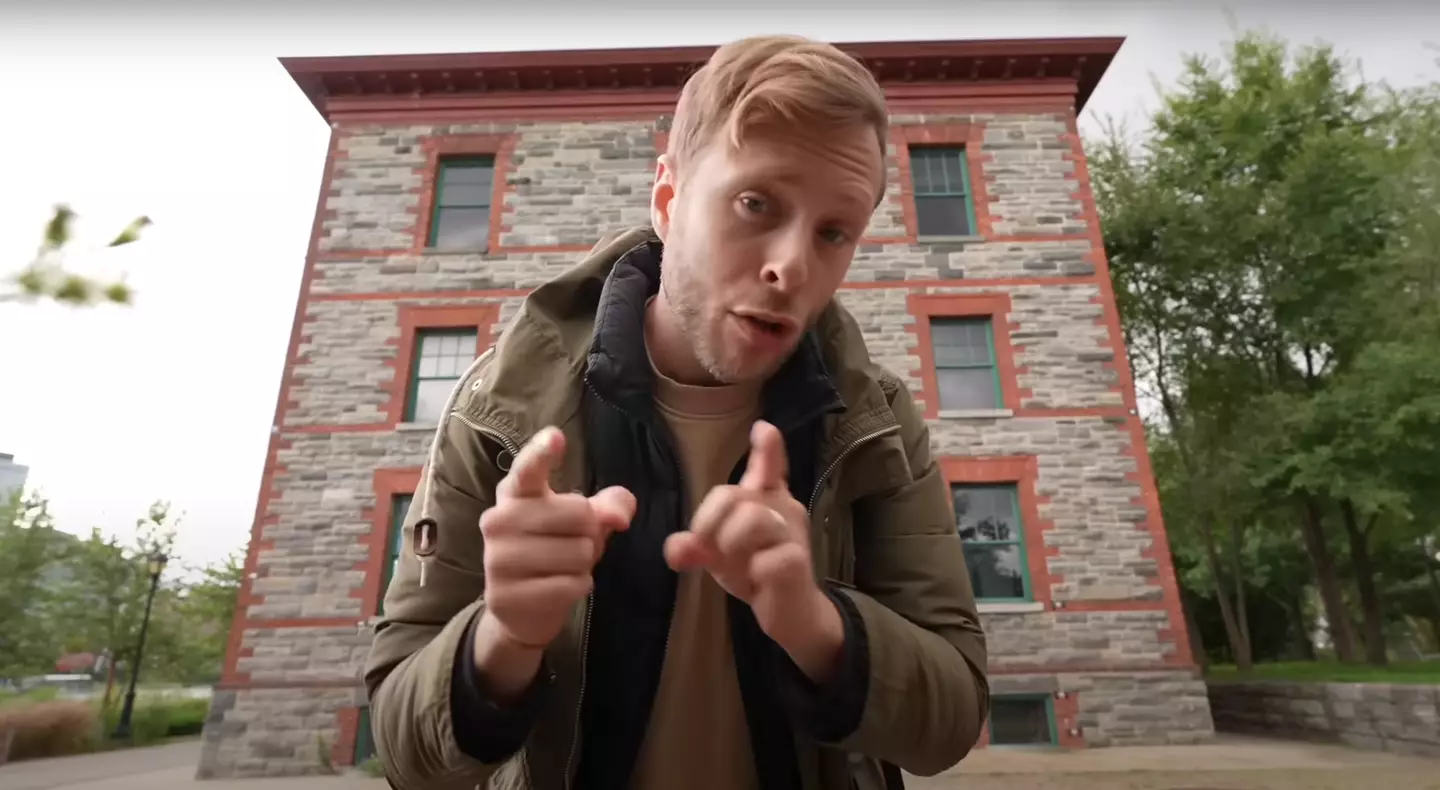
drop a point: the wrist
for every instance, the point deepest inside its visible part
(816, 641)
(506, 667)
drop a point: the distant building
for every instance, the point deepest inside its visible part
(12, 476)
(455, 184)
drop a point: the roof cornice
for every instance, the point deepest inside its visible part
(650, 79)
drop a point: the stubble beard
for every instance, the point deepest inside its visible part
(681, 297)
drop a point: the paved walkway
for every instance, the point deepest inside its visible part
(1226, 764)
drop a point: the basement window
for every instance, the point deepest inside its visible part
(1022, 721)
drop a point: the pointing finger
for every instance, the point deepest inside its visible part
(530, 473)
(615, 507)
(766, 469)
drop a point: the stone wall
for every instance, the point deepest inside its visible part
(1383, 716)
(1103, 633)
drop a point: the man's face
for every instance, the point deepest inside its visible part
(758, 239)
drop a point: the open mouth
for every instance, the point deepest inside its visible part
(772, 328)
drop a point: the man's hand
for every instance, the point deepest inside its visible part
(754, 539)
(540, 550)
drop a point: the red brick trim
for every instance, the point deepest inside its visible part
(925, 307)
(416, 317)
(1143, 475)
(347, 736)
(246, 684)
(1024, 472)
(245, 598)
(388, 483)
(500, 146)
(972, 136)
(1067, 719)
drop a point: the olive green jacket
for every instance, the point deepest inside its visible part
(883, 527)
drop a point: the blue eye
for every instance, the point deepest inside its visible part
(753, 204)
(834, 236)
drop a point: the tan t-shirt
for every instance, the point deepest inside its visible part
(698, 738)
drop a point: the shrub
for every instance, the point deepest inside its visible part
(50, 729)
(372, 767)
(158, 717)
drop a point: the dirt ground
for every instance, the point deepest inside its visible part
(1269, 779)
(1228, 763)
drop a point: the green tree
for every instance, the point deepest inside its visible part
(31, 556)
(1261, 239)
(46, 278)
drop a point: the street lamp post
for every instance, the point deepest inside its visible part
(156, 566)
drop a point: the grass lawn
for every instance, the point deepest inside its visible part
(1332, 672)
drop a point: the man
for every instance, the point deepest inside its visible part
(677, 530)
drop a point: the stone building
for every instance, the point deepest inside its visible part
(455, 184)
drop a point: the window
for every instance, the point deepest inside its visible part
(441, 357)
(462, 203)
(399, 507)
(965, 373)
(988, 517)
(943, 204)
(364, 738)
(1022, 721)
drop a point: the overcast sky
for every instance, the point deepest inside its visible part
(186, 116)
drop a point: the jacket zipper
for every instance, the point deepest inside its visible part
(513, 447)
(849, 448)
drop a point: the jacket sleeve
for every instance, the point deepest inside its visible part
(926, 697)
(431, 723)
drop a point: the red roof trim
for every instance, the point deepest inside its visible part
(520, 80)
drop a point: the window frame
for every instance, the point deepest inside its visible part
(442, 166)
(1023, 472)
(1050, 719)
(926, 308)
(414, 319)
(417, 356)
(448, 147)
(988, 322)
(394, 543)
(386, 484)
(961, 153)
(1027, 585)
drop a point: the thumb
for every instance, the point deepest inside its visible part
(767, 468)
(615, 507)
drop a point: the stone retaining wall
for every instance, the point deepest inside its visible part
(1404, 719)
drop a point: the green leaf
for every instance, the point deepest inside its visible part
(131, 232)
(57, 231)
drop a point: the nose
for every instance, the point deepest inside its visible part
(787, 264)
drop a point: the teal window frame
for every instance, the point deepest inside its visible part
(1047, 699)
(445, 167)
(364, 738)
(991, 363)
(399, 508)
(417, 357)
(954, 183)
(1018, 528)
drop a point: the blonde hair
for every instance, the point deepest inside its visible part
(774, 81)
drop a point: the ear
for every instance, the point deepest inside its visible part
(662, 196)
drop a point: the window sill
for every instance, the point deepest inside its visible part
(448, 251)
(1018, 607)
(976, 414)
(949, 239)
(413, 427)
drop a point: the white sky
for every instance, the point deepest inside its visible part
(186, 116)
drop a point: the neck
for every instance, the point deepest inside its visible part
(670, 351)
